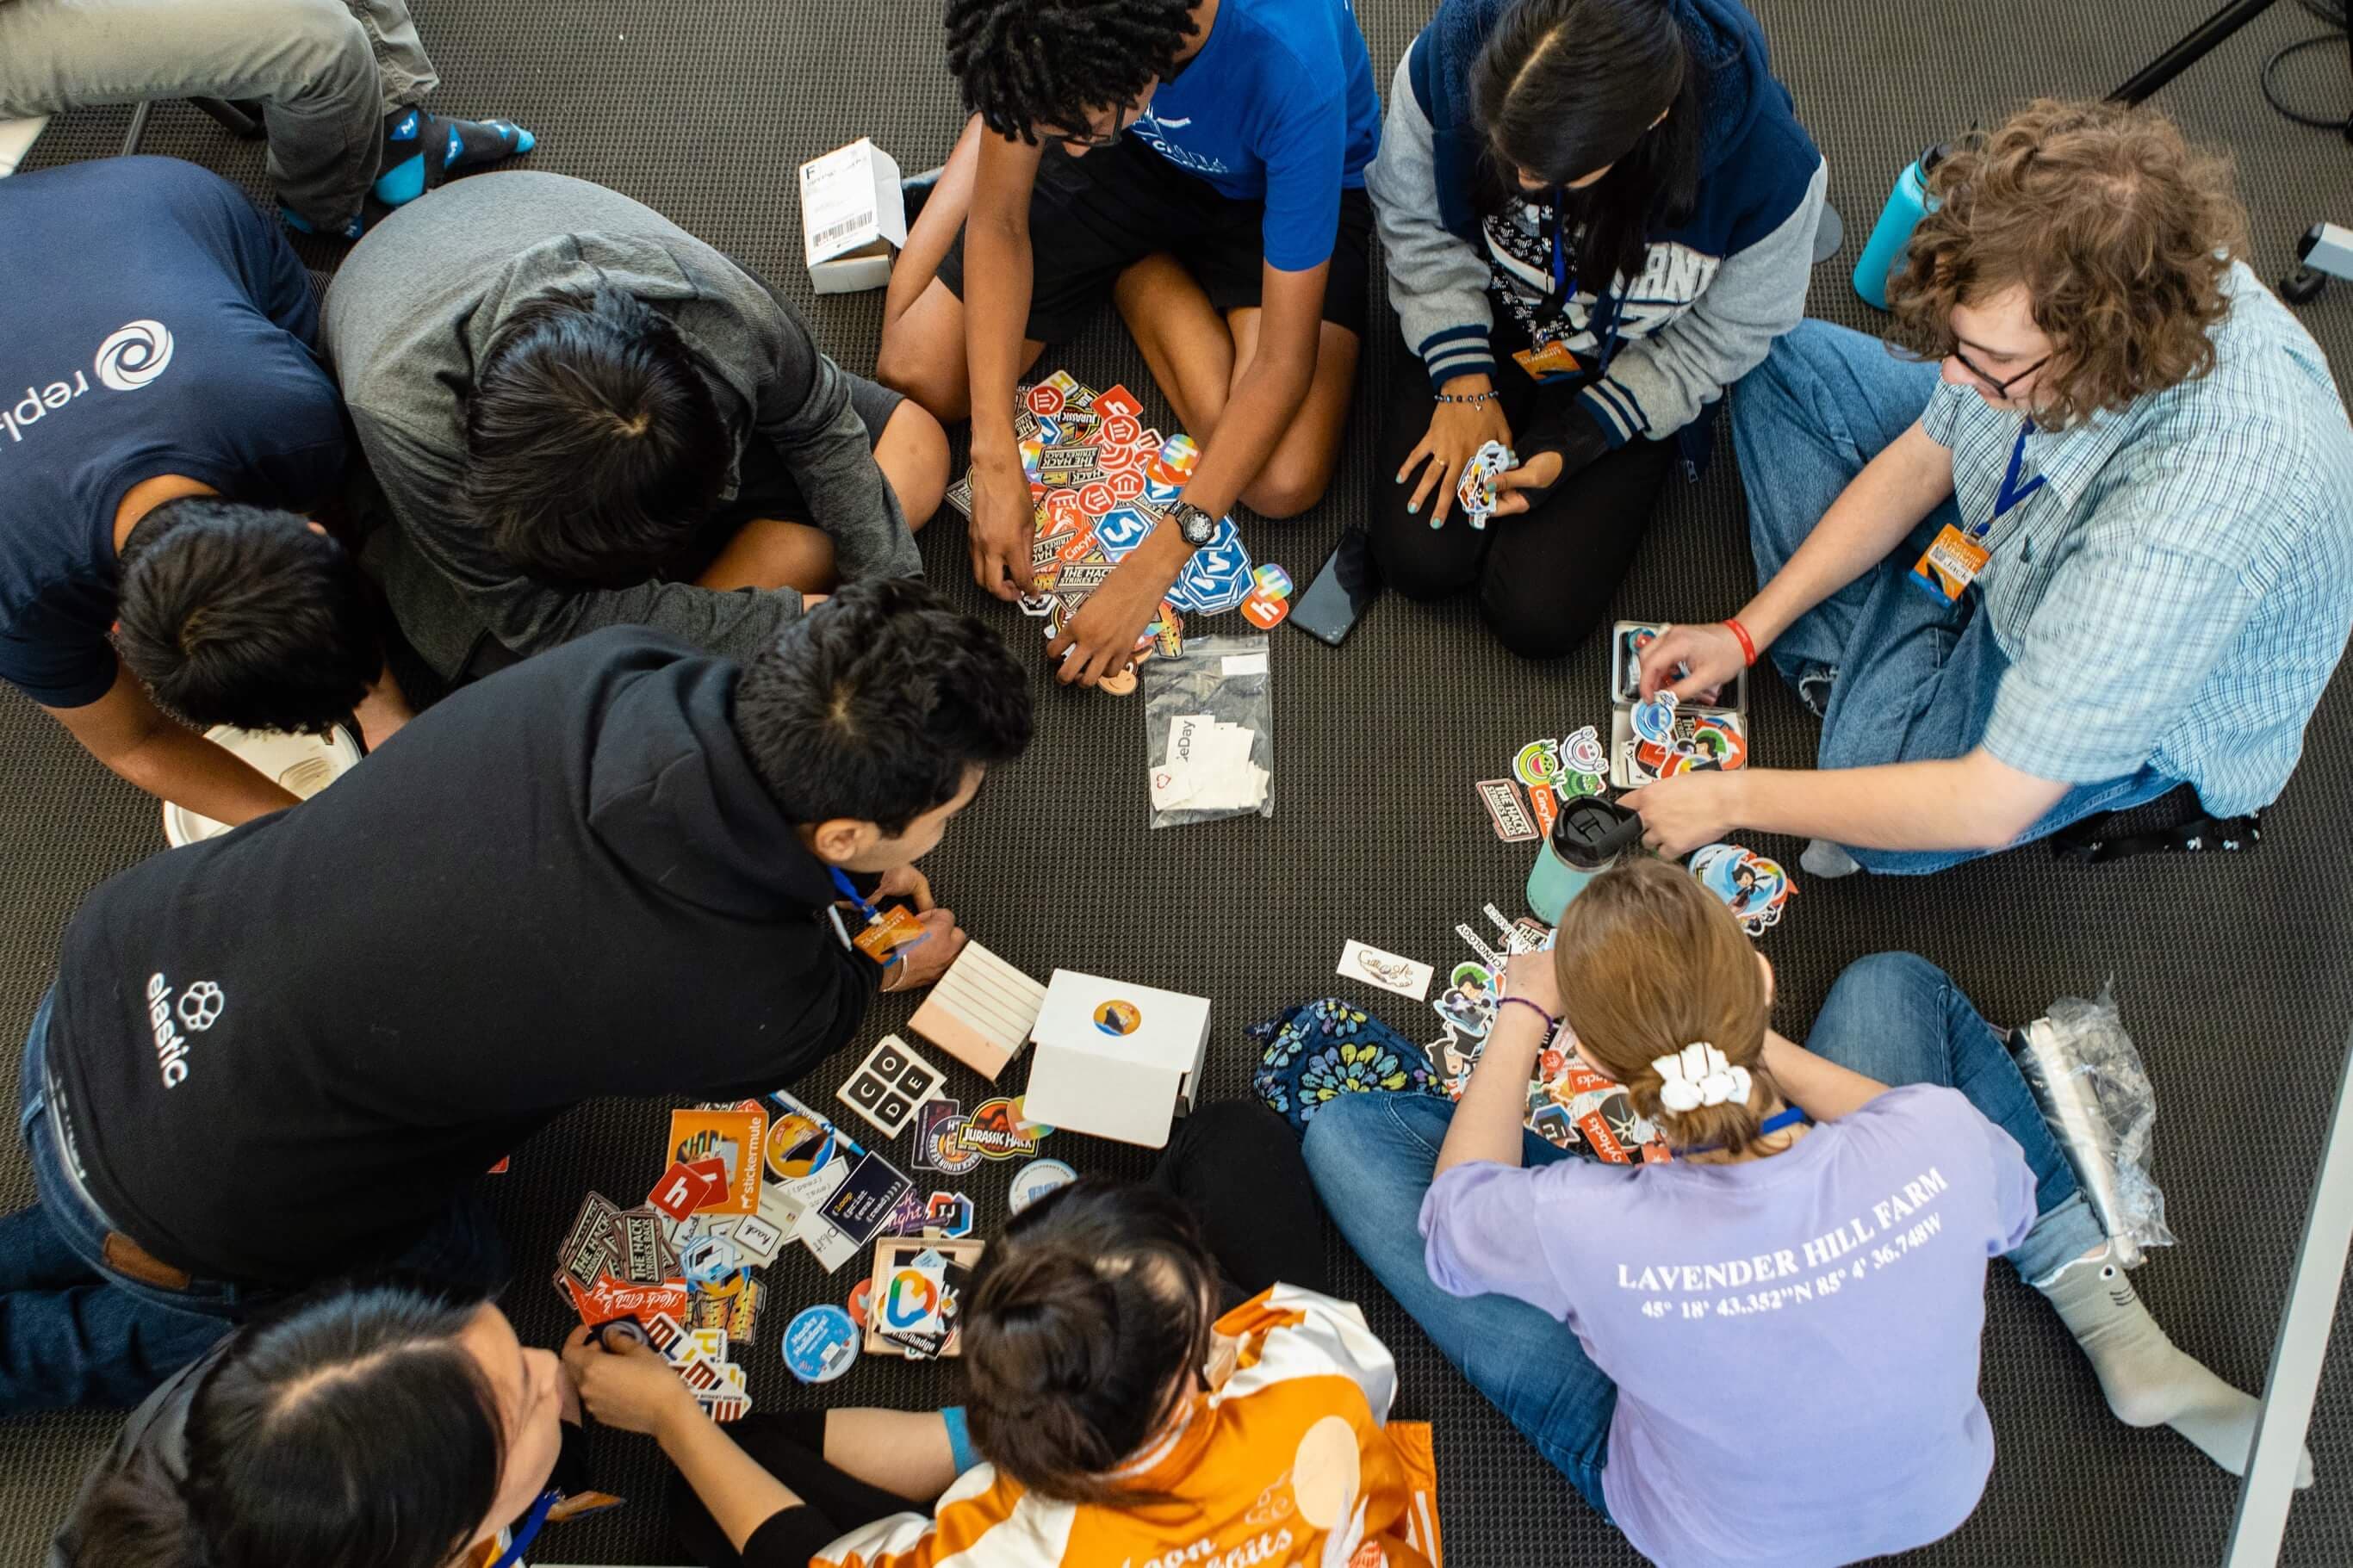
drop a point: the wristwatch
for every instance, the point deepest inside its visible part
(1197, 526)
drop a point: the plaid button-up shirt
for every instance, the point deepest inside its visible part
(2179, 590)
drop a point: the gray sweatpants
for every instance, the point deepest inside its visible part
(326, 71)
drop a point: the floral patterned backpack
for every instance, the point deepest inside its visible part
(1317, 1051)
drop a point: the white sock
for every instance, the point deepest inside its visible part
(1827, 860)
(2148, 1380)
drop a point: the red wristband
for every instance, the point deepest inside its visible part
(1747, 646)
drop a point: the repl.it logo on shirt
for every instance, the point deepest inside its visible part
(128, 359)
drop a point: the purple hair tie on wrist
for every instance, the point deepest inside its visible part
(1551, 1025)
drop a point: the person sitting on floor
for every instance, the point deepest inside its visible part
(369, 1422)
(583, 416)
(340, 84)
(1615, 196)
(175, 422)
(1811, 1260)
(1201, 163)
(617, 868)
(2086, 545)
(1158, 1373)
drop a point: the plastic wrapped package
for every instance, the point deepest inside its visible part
(1209, 732)
(2088, 1080)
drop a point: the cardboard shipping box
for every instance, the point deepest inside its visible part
(1115, 1059)
(853, 218)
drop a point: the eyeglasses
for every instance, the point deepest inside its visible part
(1097, 140)
(2001, 388)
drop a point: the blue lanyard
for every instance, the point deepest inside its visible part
(1788, 1116)
(849, 890)
(2011, 493)
(520, 1538)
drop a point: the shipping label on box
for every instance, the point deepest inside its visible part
(853, 218)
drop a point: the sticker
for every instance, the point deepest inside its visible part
(1038, 604)
(615, 1333)
(800, 1144)
(943, 1147)
(1116, 399)
(586, 1248)
(1045, 399)
(889, 1084)
(758, 1238)
(1545, 806)
(1121, 530)
(1655, 721)
(743, 1312)
(1753, 888)
(709, 1259)
(950, 1213)
(1538, 762)
(1405, 976)
(689, 1186)
(1581, 752)
(865, 1199)
(1096, 496)
(907, 1219)
(1476, 489)
(820, 1344)
(860, 1294)
(997, 1132)
(1468, 1005)
(1273, 580)
(1264, 612)
(1570, 785)
(1218, 578)
(732, 1137)
(1505, 809)
(1127, 484)
(1035, 1180)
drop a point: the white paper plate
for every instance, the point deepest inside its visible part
(302, 763)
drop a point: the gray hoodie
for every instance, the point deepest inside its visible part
(408, 320)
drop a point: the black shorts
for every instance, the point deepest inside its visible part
(766, 486)
(1092, 217)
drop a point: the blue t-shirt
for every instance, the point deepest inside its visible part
(155, 324)
(1279, 106)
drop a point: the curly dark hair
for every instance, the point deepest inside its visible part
(1024, 64)
(2118, 229)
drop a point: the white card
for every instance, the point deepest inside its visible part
(1386, 970)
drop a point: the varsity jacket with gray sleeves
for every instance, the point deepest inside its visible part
(1718, 287)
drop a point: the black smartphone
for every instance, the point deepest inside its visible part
(1329, 609)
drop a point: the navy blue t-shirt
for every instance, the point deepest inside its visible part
(1279, 106)
(154, 324)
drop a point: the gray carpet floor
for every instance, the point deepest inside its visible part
(2232, 971)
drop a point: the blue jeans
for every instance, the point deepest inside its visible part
(1911, 677)
(1893, 1017)
(75, 1331)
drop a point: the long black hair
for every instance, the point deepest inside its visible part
(354, 1429)
(1564, 87)
(1090, 1312)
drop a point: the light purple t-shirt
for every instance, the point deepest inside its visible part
(1795, 1339)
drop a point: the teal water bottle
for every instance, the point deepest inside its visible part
(1907, 204)
(1585, 840)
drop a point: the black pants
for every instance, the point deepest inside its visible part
(1544, 578)
(1236, 1166)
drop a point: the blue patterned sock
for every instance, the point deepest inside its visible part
(412, 138)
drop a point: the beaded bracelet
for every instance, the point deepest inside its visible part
(1487, 396)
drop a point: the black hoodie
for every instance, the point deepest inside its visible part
(285, 1050)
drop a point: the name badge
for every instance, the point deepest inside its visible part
(1950, 565)
(1549, 363)
(880, 940)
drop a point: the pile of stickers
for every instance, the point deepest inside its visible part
(745, 1181)
(1662, 739)
(1099, 482)
(1475, 491)
(1570, 1105)
(1550, 772)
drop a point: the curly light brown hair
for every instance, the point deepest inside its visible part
(2119, 231)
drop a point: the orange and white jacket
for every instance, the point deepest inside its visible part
(1288, 1460)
